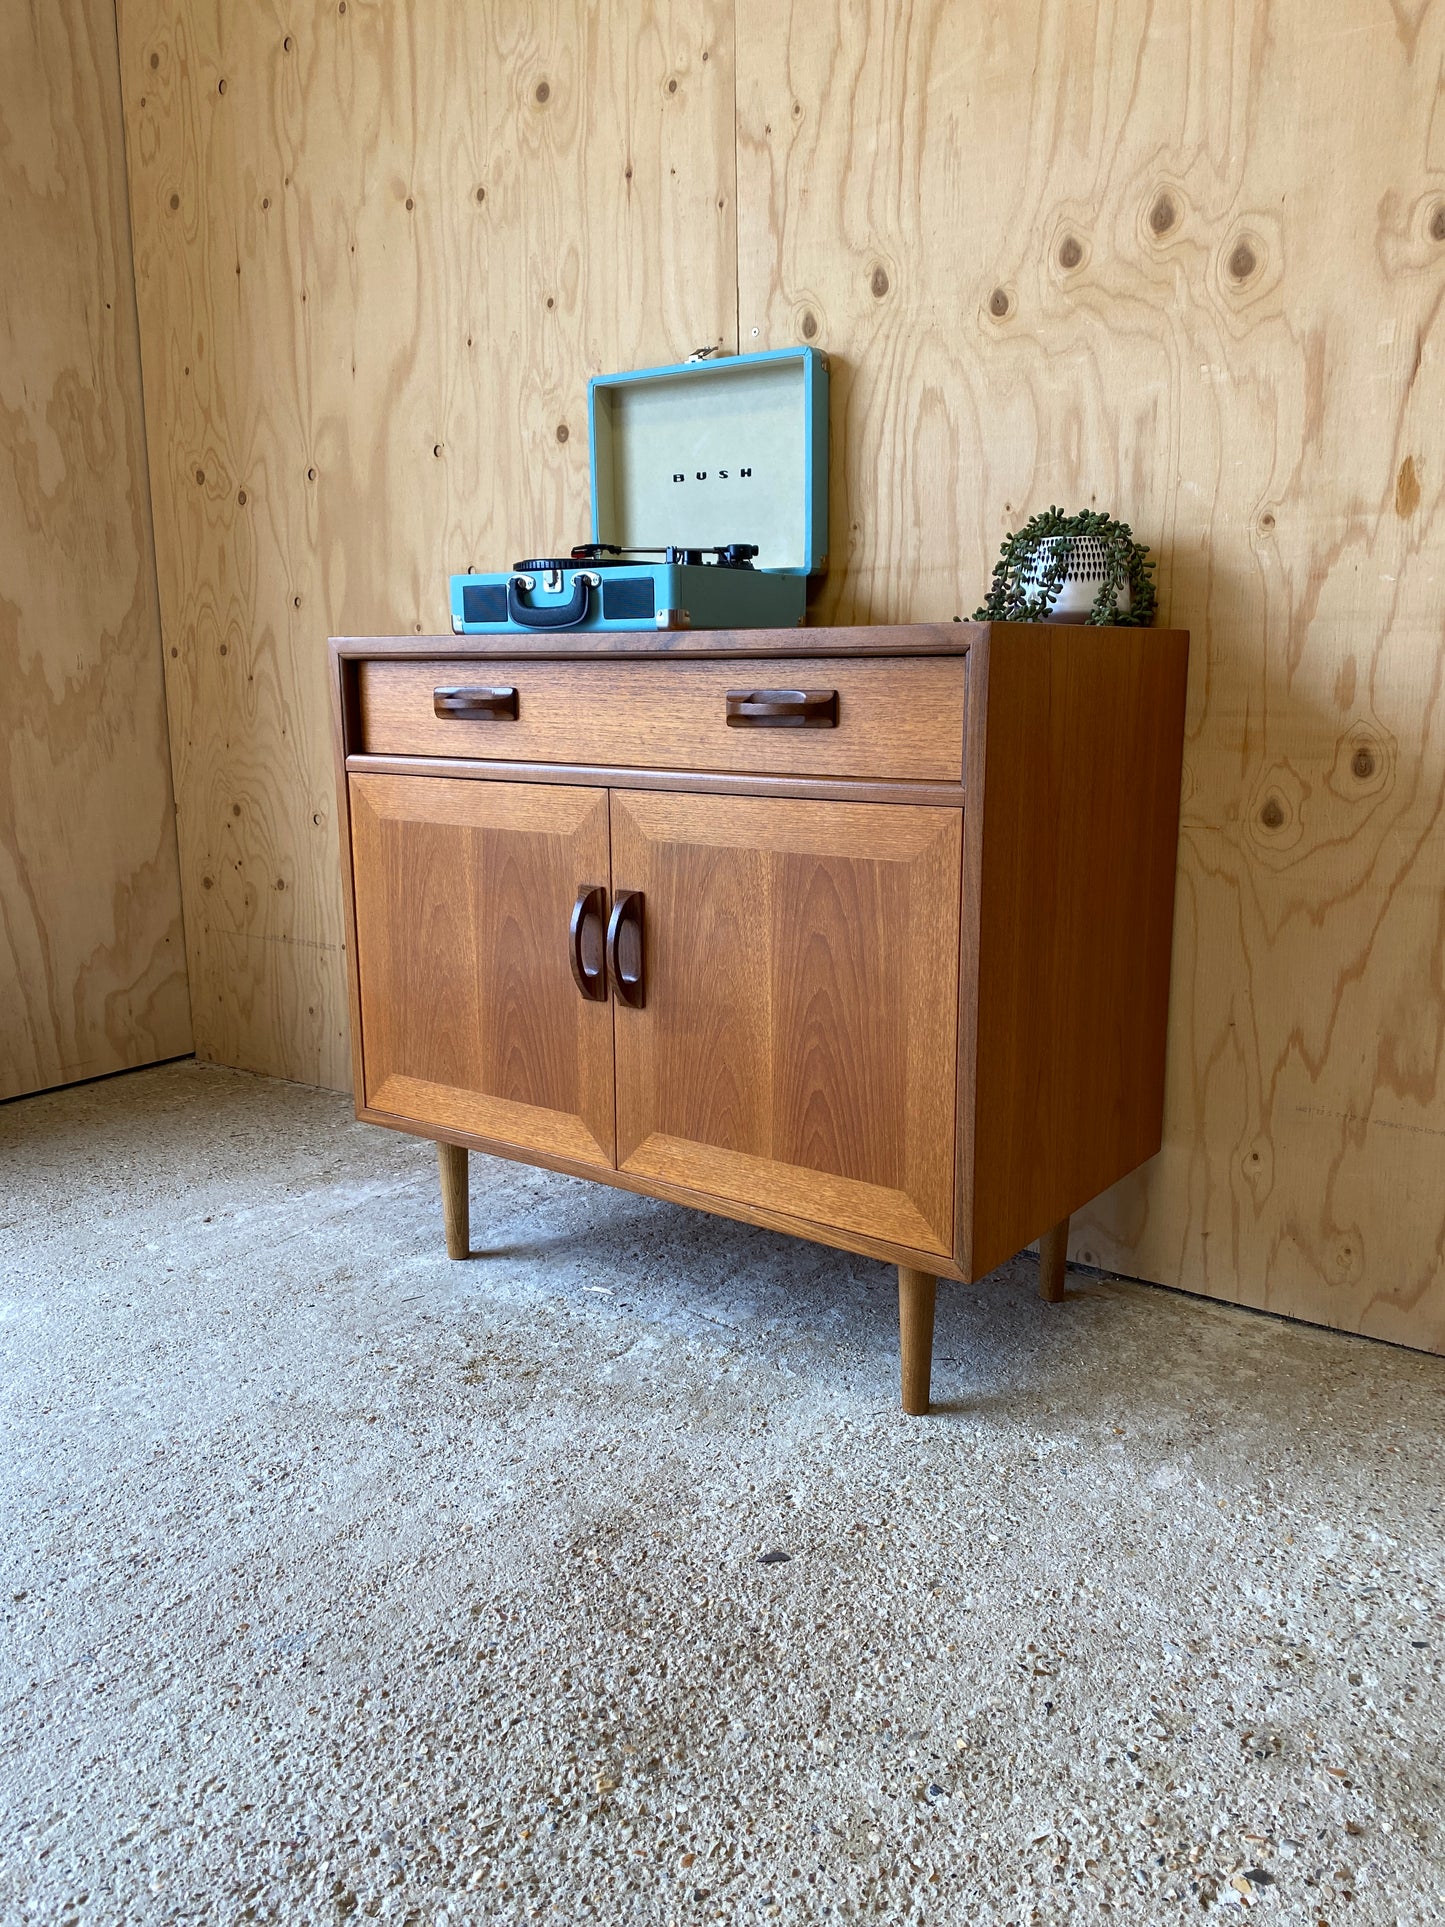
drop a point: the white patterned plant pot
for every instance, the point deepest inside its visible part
(1083, 579)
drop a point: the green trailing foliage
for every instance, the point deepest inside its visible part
(1018, 594)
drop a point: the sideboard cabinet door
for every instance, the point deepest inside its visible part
(796, 1044)
(470, 1017)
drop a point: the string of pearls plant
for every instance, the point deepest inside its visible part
(1035, 563)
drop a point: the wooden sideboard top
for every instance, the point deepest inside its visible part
(882, 639)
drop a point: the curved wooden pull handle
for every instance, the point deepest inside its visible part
(624, 948)
(782, 709)
(483, 705)
(585, 942)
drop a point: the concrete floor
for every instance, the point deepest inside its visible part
(340, 1581)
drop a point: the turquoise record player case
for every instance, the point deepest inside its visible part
(709, 506)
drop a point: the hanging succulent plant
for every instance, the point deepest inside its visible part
(1054, 549)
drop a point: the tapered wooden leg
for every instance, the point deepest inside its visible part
(916, 1290)
(456, 1213)
(1053, 1257)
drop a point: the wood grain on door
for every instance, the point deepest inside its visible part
(798, 1043)
(464, 895)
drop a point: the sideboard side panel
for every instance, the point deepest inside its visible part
(1076, 749)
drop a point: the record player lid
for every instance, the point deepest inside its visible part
(733, 450)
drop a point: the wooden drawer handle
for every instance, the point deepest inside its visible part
(586, 942)
(782, 709)
(624, 948)
(481, 705)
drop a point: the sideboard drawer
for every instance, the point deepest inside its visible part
(891, 719)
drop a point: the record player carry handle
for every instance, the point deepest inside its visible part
(483, 705)
(586, 943)
(624, 948)
(554, 615)
(782, 709)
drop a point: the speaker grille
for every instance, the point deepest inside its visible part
(629, 600)
(484, 602)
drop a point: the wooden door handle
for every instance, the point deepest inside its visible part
(586, 944)
(482, 705)
(782, 709)
(624, 948)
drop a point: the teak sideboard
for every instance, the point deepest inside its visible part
(861, 934)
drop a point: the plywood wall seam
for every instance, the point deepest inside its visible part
(737, 209)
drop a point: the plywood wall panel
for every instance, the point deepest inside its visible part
(92, 964)
(379, 250)
(1186, 262)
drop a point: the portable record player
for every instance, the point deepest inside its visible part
(709, 506)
